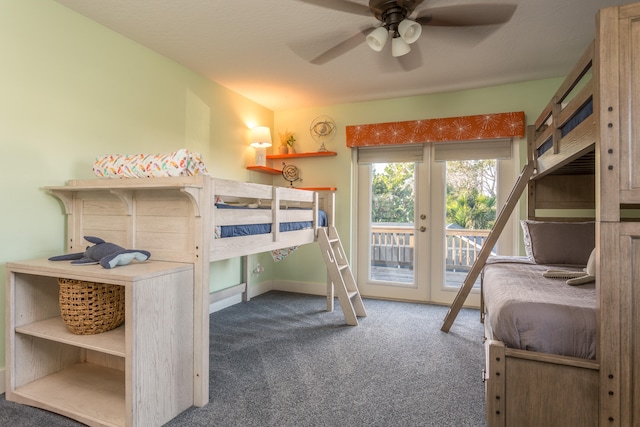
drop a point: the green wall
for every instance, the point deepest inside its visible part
(530, 97)
(73, 90)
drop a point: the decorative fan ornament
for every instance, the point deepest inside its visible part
(322, 129)
(290, 173)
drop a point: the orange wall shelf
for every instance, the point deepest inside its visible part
(272, 171)
(265, 169)
(299, 155)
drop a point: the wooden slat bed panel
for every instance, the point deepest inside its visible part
(243, 216)
(102, 206)
(259, 216)
(574, 145)
(562, 395)
(247, 245)
(169, 204)
(582, 98)
(565, 192)
(163, 224)
(223, 187)
(104, 223)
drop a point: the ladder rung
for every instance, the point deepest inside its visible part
(334, 240)
(343, 267)
(352, 294)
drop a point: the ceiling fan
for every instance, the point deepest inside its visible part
(394, 21)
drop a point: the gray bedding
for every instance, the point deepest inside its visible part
(528, 311)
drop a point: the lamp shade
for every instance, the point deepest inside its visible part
(399, 47)
(409, 30)
(377, 38)
(261, 137)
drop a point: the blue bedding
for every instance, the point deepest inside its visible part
(585, 111)
(251, 229)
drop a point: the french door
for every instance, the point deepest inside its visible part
(409, 244)
(393, 224)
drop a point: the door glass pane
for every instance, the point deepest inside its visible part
(471, 213)
(392, 223)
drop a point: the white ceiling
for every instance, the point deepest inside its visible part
(261, 48)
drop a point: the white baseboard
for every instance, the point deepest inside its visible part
(227, 302)
(300, 287)
(254, 290)
(261, 288)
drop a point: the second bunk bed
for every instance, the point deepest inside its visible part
(581, 174)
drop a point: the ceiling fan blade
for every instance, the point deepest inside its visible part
(467, 15)
(410, 5)
(341, 48)
(342, 6)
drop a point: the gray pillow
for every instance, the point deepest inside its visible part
(559, 243)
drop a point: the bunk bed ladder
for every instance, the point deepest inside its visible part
(340, 278)
(485, 251)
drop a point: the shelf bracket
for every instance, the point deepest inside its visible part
(194, 196)
(66, 198)
(127, 198)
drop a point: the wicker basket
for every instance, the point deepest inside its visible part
(89, 308)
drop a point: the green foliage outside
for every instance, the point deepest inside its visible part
(471, 193)
(393, 193)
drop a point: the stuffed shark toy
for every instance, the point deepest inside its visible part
(108, 255)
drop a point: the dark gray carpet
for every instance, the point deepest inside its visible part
(281, 360)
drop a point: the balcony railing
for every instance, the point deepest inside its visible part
(393, 246)
(463, 247)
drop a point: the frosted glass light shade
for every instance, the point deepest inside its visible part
(409, 30)
(261, 137)
(377, 38)
(399, 47)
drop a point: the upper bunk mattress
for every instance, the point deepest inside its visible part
(581, 115)
(254, 229)
(528, 311)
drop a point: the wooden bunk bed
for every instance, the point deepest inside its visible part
(183, 221)
(591, 168)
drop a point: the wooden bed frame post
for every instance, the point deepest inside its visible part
(201, 266)
(495, 387)
(485, 251)
(607, 108)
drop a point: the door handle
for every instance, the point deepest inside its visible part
(423, 229)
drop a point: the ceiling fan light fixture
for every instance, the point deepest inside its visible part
(399, 47)
(409, 30)
(377, 38)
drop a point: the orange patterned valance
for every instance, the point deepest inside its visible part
(465, 128)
